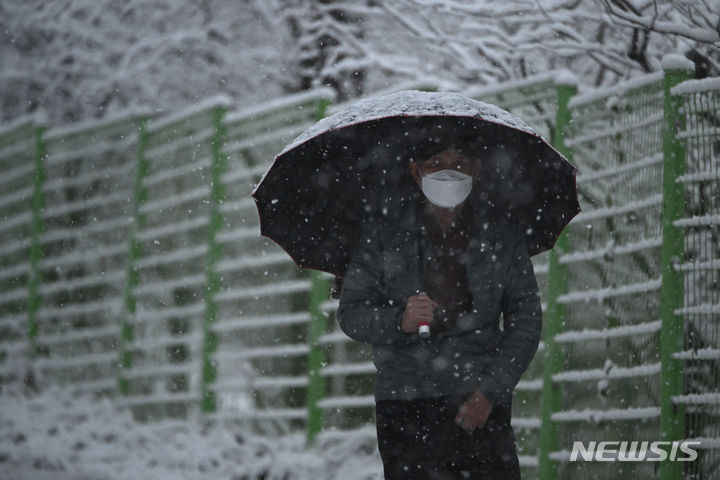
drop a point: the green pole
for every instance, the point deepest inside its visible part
(321, 107)
(316, 329)
(208, 402)
(36, 228)
(551, 399)
(672, 417)
(127, 333)
(316, 356)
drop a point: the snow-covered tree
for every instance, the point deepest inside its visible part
(79, 59)
(326, 44)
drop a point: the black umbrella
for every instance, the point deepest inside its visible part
(353, 165)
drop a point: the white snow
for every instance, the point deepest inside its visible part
(218, 101)
(111, 306)
(282, 103)
(16, 196)
(241, 323)
(253, 261)
(234, 206)
(480, 92)
(124, 170)
(567, 78)
(623, 331)
(19, 123)
(526, 423)
(611, 373)
(264, 352)
(94, 124)
(643, 163)
(611, 249)
(706, 443)
(92, 228)
(16, 172)
(170, 201)
(411, 103)
(198, 140)
(674, 61)
(696, 86)
(356, 401)
(12, 247)
(154, 315)
(177, 255)
(600, 294)
(159, 287)
(604, 212)
(77, 283)
(709, 398)
(335, 337)
(361, 368)
(707, 353)
(15, 220)
(84, 204)
(616, 90)
(529, 385)
(199, 166)
(699, 132)
(624, 128)
(173, 229)
(91, 149)
(703, 309)
(280, 288)
(596, 416)
(698, 221)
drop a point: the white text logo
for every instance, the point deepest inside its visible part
(634, 451)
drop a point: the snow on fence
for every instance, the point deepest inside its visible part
(607, 384)
(697, 266)
(132, 265)
(536, 101)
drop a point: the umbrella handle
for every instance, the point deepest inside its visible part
(423, 327)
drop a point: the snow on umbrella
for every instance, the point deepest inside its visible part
(353, 165)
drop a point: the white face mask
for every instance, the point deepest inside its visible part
(446, 188)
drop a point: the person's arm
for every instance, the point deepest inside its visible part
(522, 316)
(365, 313)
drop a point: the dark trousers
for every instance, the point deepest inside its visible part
(419, 440)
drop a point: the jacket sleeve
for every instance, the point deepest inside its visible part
(522, 321)
(365, 313)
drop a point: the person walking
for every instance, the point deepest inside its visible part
(428, 205)
(427, 291)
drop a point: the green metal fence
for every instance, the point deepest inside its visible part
(609, 380)
(20, 149)
(132, 265)
(698, 313)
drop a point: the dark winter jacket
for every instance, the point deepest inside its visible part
(475, 353)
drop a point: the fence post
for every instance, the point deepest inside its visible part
(551, 400)
(208, 403)
(316, 357)
(36, 228)
(317, 327)
(672, 417)
(127, 333)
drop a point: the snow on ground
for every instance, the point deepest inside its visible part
(53, 435)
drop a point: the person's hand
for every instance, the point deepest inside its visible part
(419, 309)
(474, 412)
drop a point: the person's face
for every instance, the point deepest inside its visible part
(445, 160)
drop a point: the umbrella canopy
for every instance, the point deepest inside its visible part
(353, 165)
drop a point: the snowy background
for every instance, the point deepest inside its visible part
(79, 59)
(58, 436)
